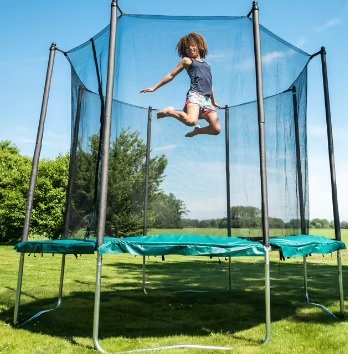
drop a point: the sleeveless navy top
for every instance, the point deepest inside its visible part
(200, 76)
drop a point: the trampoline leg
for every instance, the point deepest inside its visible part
(61, 282)
(60, 295)
(19, 289)
(340, 281)
(97, 345)
(144, 275)
(229, 274)
(325, 309)
(305, 278)
(267, 297)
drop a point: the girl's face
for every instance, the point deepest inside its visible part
(192, 51)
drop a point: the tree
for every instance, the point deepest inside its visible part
(344, 225)
(126, 188)
(167, 211)
(245, 216)
(14, 181)
(49, 197)
(319, 223)
(276, 223)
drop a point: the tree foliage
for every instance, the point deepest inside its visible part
(14, 180)
(126, 188)
(127, 184)
(49, 198)
(167, 211)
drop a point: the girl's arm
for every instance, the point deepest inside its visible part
(184, 63)
(214, 103)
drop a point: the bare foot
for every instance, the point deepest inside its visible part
(193, 132)
(164, 112)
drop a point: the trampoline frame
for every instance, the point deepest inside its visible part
(105, 138)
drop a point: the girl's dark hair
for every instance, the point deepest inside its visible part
(189, 39)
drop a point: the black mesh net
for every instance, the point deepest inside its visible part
(187, 176)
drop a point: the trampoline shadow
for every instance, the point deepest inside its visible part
(129, 313)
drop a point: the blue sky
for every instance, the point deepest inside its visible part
(27, 28)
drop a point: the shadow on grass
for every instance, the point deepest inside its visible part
(126, 311)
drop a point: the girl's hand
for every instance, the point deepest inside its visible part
(149, 89)
(215, 104)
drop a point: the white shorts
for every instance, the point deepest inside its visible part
(204, 102)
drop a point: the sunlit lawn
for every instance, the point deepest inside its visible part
(206, 315)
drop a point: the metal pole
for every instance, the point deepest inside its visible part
(305, 279)
(228, 187)
(38, 144)
(96, 315)
(330, 145)
(34, 170)
(147, 178)
(332, 172)
(105, 168)
(340, 281)
(72, 166)
(227, 161)
(107, 127)
(267, 296)
(263, 173)
(147, 169)
(261, 119)
(19, 289)
(298, 162)
(309, 302)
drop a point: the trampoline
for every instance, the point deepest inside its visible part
(128, 172)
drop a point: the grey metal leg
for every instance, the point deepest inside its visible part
(38, 314)
(144, 275)
(267, 297)
(325, 309)
(19, 288)
(97, 345)
(340, 281)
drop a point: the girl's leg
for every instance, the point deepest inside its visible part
(214, 127)
(190, 118)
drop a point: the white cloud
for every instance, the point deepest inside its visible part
(270, 57)
(334, 22)
(165, 148)
(317, 131)
(301, 42)
(267, 59)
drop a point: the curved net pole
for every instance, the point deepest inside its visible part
(263, 175)
(332, 173)
(104, 169)
(34, 170)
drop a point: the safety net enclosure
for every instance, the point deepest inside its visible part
(135, 181)
(187, 176)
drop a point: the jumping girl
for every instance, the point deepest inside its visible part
(200, 100)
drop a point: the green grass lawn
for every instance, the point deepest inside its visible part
(208, 315)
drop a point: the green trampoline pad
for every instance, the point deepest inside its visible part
(304, 245)
(186, 245)
(68, 246)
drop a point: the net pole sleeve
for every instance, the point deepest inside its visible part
(72, 163)
(38, 144)
(147, 169)
(104, 175)
(228, 177)
(261, 120)
(330, 145)
(298, 162)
